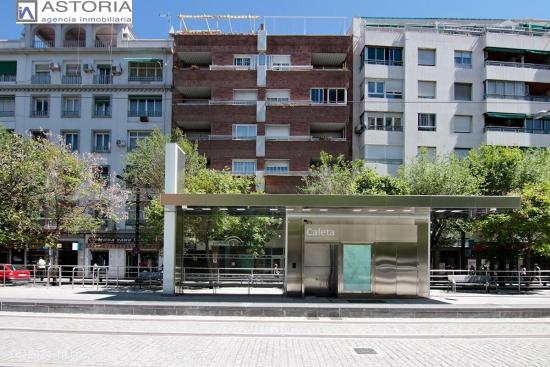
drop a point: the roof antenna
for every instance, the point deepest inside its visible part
(168, 18)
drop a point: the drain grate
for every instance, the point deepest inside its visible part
(364, 351)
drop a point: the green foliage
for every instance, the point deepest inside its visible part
(333, 176)
(207, 181)
(439, 176)
(369, 182)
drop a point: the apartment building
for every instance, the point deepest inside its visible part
(264, 105)
(448, 85)
(102, 90)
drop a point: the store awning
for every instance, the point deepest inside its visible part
(516, 51)
(8, 67)
(507, 115)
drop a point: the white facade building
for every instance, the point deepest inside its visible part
(448, 86)
(98, 87)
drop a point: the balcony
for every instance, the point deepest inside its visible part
(74, 43)
(517, 65)
(103, 113)
(71, 79)
(103, 79)
(38, 113)
(7, 78)
(7, 113)
(145, 113)
(70, 114)
(516, 136)
(40, 44)
(41, 79)
(146, 79)
(186, 79)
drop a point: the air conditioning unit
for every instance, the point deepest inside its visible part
(121, 143)
(116, 70)
(54, 66)
(143, 118)
(88, 68)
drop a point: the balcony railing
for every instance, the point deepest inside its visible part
(385, 128)
(71, 79)
(43, 44)
(517, 65)
(384, 62)
(157, 78)
(523, 98)
(291, 67)
(202, 137)
(394, 162)
(74, 43)
(102, 113)
(233, 67)
(70, 113)
(103, 44)
(7, 78)
(41, 79)
(232, 102)
(103, 79)
(516, 130)
(38, 113)
(145, 113)
(7, 113)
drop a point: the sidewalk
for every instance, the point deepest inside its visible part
(131, 301)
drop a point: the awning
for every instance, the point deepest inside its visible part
(8, 67)
(143, 59)
(507, 115)
(516, 51)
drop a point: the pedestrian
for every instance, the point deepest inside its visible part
(538, 275)
(276, 270)
(41, 264)
(472, 270)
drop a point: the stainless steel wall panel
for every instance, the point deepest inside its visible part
(385, 272)
(294, 255)
(407, 271)
(423, 259)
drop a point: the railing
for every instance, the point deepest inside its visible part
(70, 113)
(7, 113)
(7, 78)
(232, 103)
(41, 79)
(384, 128)
(43, 44)
(103, 44)
(233, 67)
(503, 279)
(517, 65)
(517, 97)
(103, 79)
(71, 79)
(395, 162)
(383, 62)
(39, 113)
(102, 113)
(157, 78)
(74, 43)
(216, 278)
(291, 68)
(145, 113)
(516, 130)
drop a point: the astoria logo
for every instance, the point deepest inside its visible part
(26, 11)
(86, 6)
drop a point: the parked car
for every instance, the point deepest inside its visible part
(14, 274)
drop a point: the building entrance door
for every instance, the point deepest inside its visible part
(320, 269)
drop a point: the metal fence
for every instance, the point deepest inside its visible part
(501, 279)
(216, 278)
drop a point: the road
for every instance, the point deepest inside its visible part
(101, 340)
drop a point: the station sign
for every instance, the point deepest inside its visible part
(73, 12)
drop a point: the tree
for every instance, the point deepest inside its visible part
(369, 182)
(333, 176)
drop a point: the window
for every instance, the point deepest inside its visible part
(145, 71)
(244, 132)
(276, 167)
(277, 132)
(8, 71)
(391, 89)
(384, 154)
(40, 106)
(71, 140)
(426, 89)
(150, 106)
(7, 106)
(245, 96)
(102, 106)
(134, 137)
(462, 124)
(279, 62)
(328, 95)
(463, 92)
(426, 122)
(461, 153)
(384, 121)
(71, 106)
(276, 96)
(104, 74)
(392, 56)
(244, 61)
(72, 69)
(505, 89)
(431, 152)
(102, 142)
(426, 57)
(41, 74)
(243, 167)
(42, 69)
(463, 59)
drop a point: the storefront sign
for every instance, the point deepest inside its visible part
(112, 241)
(321, 233)
(74, 11)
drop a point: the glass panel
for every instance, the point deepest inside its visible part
(357, 263)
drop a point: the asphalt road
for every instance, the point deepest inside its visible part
(100, 340)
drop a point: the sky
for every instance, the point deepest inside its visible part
(148, 24)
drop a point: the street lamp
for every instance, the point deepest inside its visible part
(542, 114)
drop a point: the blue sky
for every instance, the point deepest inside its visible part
(147, 24)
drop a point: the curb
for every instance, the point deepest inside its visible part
(250, 310)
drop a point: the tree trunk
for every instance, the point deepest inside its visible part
(463, 264)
